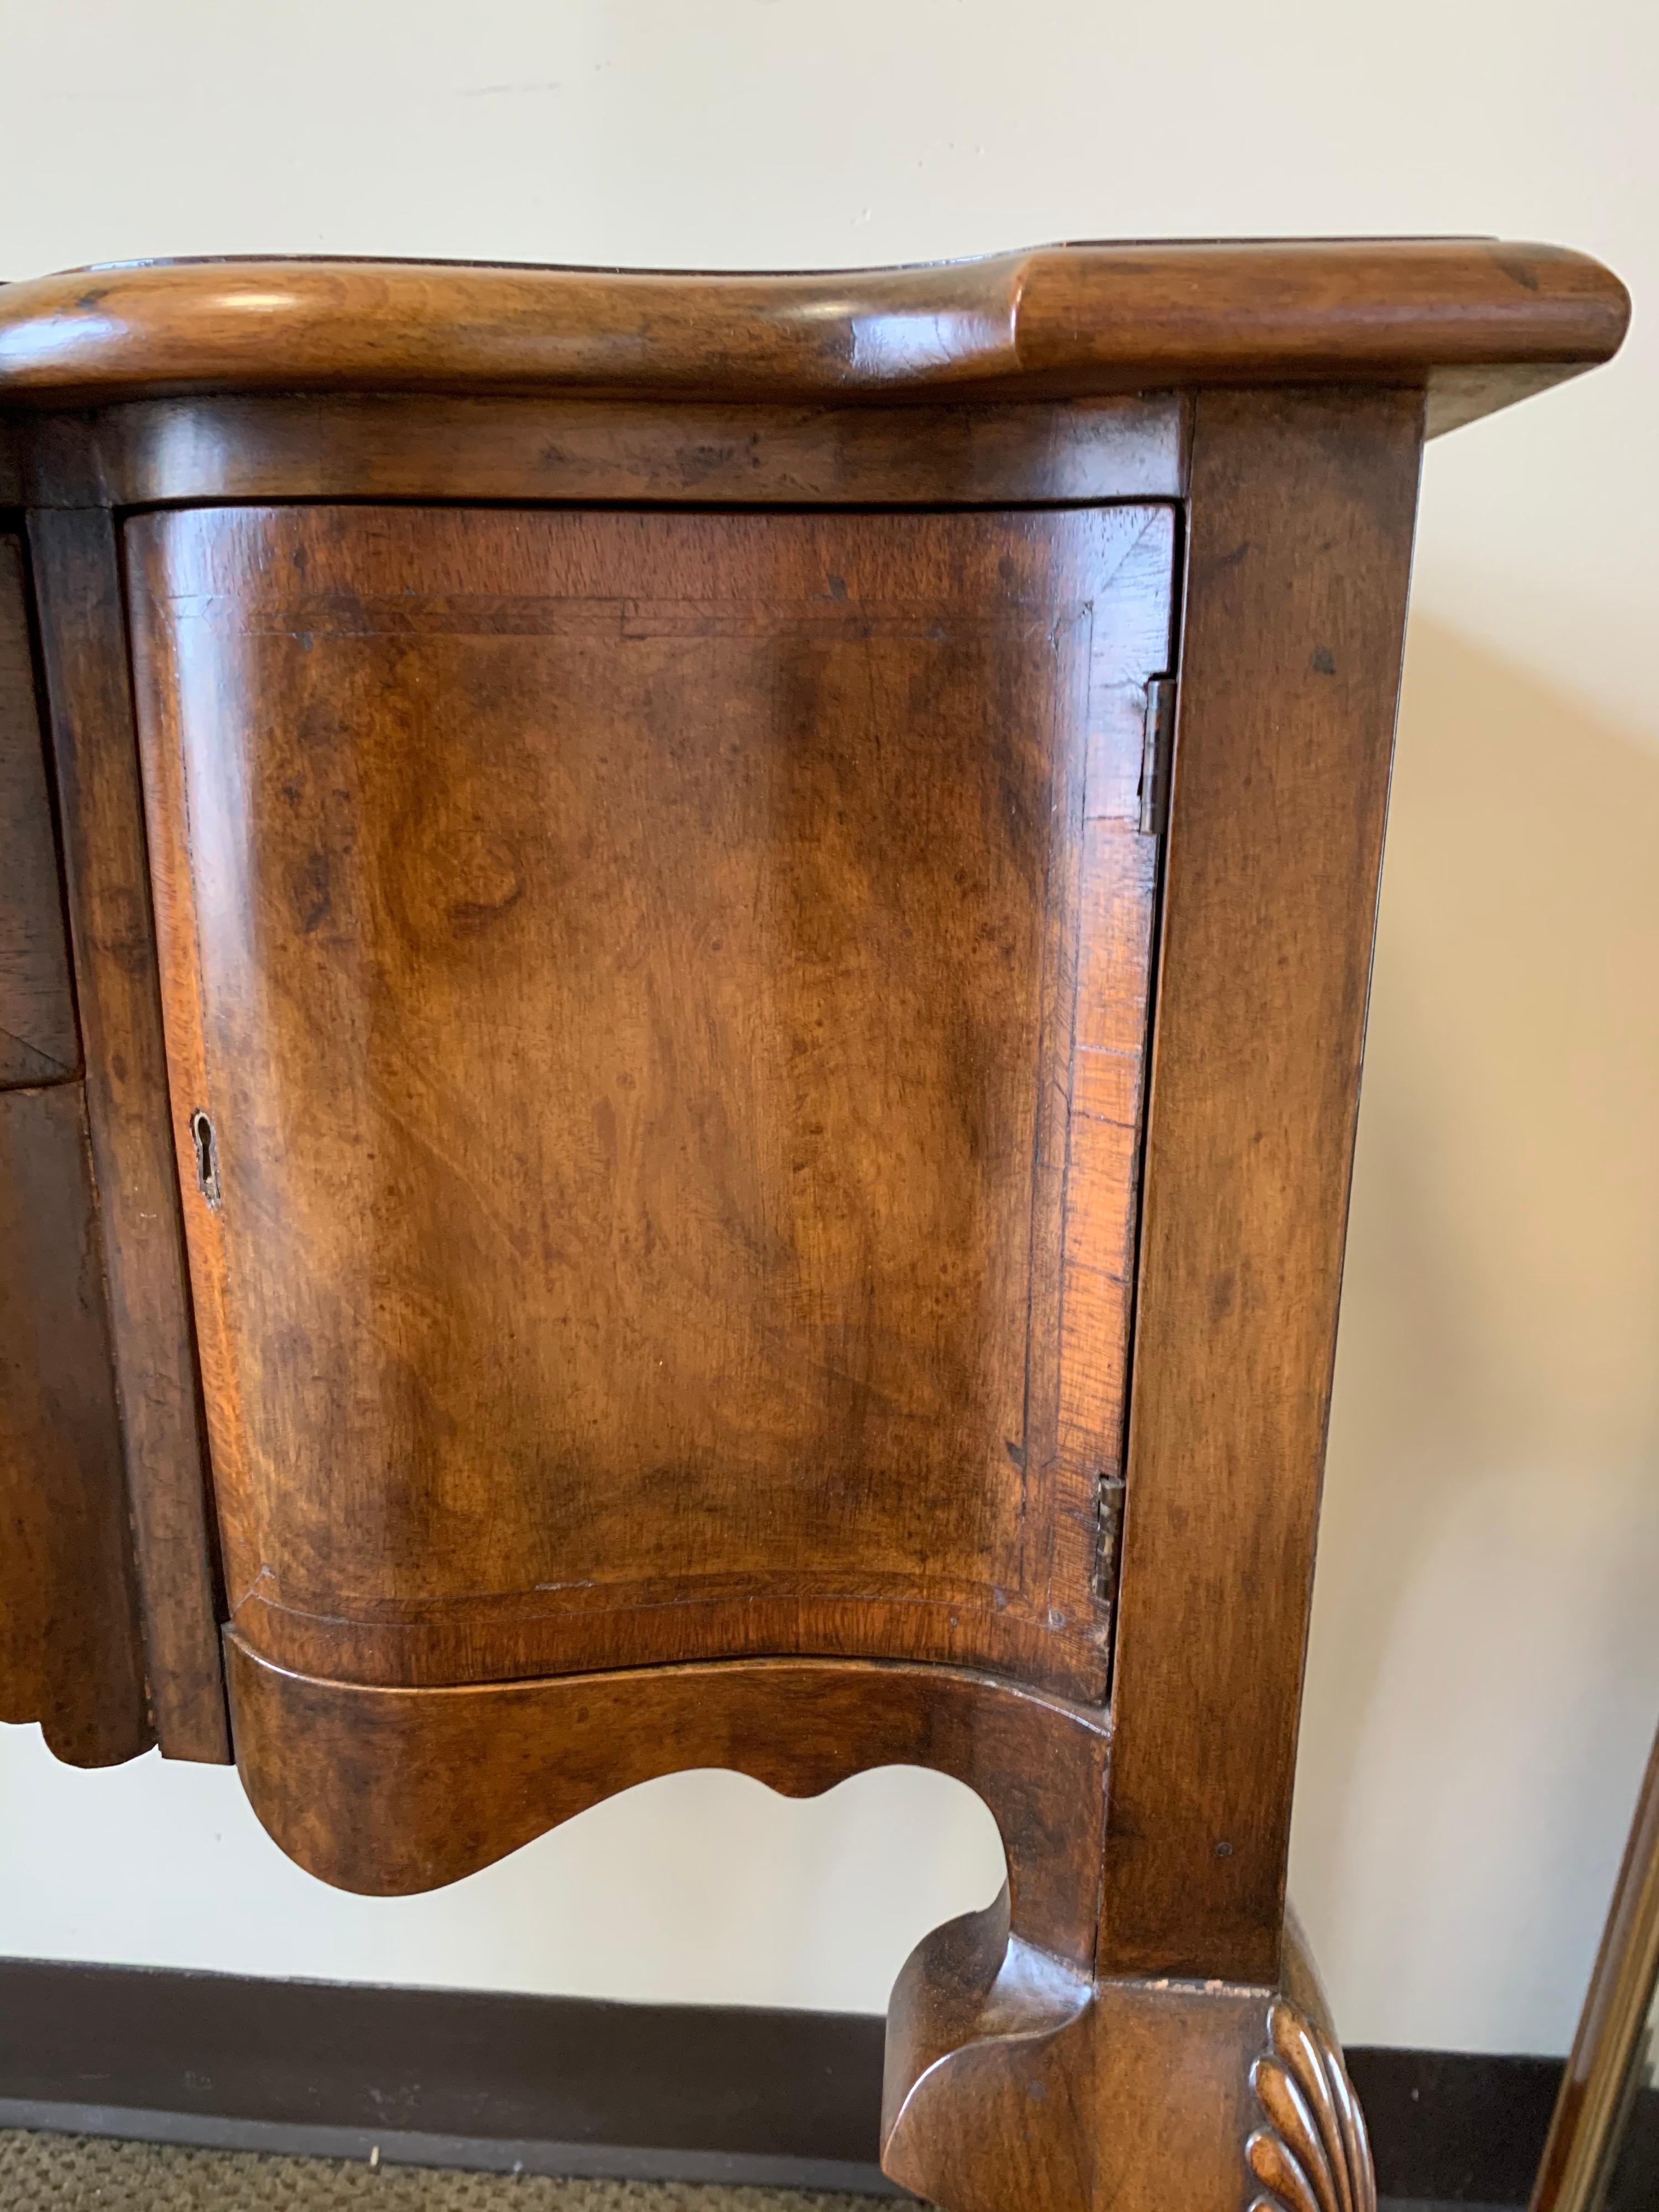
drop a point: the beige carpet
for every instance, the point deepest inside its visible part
(91, 2173)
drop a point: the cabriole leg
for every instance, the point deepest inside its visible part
(1012, 2082)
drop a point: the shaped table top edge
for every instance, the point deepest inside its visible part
(1488, 321)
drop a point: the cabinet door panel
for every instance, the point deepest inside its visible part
(629, 965)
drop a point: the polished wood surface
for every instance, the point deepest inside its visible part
(1298, 555)
(84, 650)
(1488, 320)
(39, 1040)
(1009, 2081)
(334, 445)
(444, 1782)
(1310, 2147)
(636, 967)
(69, 1655)
(668, 881)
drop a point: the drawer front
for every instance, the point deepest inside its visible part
(39, 1041)
(655, 1007)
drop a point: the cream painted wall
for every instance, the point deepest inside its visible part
(1484, 1670)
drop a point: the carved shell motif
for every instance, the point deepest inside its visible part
(1313, 2155)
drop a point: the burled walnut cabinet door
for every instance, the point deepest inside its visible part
(655, 1004)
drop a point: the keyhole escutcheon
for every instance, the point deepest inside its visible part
(207, 1158)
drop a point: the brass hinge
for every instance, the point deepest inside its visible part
(1157, 751)
(1109, 1526)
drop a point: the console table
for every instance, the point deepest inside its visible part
(683, 963)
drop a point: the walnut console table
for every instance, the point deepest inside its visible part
(682, 971)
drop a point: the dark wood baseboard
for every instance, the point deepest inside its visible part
(1459, 2127)
(449, 2077)
(570, 2085)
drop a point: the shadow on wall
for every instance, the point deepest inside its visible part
(1484, 1676)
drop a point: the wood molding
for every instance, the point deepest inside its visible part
(391, 1791)
(375, 445)
(1053, 321)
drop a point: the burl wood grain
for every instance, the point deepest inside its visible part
(632, 964)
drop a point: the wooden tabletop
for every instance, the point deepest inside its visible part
(1476, 321)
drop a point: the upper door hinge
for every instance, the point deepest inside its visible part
(1108, 1533)
(1157, 751)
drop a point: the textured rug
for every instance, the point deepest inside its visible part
(93, 2173)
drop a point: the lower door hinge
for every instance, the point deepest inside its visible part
(1157, 751)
